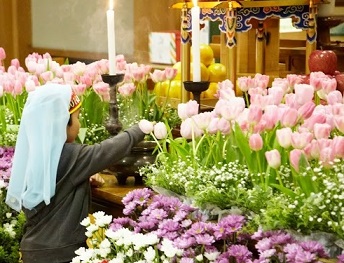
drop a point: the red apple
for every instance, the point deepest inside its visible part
(323, 60)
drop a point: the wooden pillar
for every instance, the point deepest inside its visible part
(311, 32)
(15, 29)
(228, 46)
(260, 48)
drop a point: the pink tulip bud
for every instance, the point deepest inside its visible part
(102, 89)
(254, 114)
(127, 89)
(273, 158)
(339, 122)
(188, 128)
(261, 81)
(146, 126)
(224, 126)
(158, 75)
(256, 142)
(160, 130)
(294, 157)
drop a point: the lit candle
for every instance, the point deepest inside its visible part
(110, 15)
(196, 57)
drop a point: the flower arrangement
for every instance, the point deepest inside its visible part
(86, 81)
(158, 228)
(11, 222)
(276, 157)
(137, 99)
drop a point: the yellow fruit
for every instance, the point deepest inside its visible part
(206, 53)
(211, 91)
(160, 88)
(178, 66)
(217, 72)
(204, 72)
(175, 89)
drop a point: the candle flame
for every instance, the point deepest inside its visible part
(111, 4)
(195, 2)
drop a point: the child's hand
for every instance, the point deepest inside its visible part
(96, 180)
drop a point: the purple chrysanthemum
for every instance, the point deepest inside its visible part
(240, 253)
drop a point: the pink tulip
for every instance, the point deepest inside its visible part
(256, 142)
(273, 158)
(292, 80)
(334, 97)
(312, 150)
(314, 118)
(338, 146)
(280, 82)
(102, 89)
(284, 137)
(327, 155)
(202, 120)
(2, 54)
(327, 85)
(303, 93)
(294, 157)
(224, 126)
(245, 83)
(300, 140)
(225, 90)
(213, 125)
(158, 75)
(289, 118)
(306, 110)
(15, 62)
(1, 91)
(170, 73)
(187, 110)
(261, 81)
(127, 89)
(339, 122)
(322, 130)
(230, 109)
(188, 128)
(29, 85)
(315, 79)
(254, 114)
(160, 130)
(277, 94)
(290, 100)
(146, 126)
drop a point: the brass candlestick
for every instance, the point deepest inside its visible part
(113, 125)
(196, 88)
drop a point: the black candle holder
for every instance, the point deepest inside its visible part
(113, 124)
(196, 88)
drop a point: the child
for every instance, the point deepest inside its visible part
(50, 178)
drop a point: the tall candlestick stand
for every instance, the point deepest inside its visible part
(196, 88)
(113, 125)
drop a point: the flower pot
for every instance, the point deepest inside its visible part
(140, 155)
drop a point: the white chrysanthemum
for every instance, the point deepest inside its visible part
(149, 254)
(86, 221)
(212, 255)
(9, 228)
(90, 230)
(102, 219)
(84, 254)
(168, 249)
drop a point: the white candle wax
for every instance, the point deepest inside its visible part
(196, 57)
(110, 15)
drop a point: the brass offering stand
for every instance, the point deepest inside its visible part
(113, 125)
